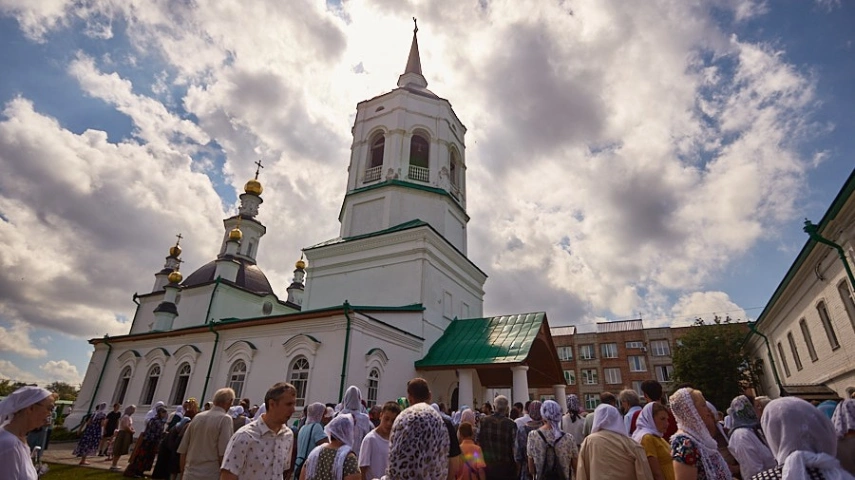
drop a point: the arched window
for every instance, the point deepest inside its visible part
(454, 169)
(237, 377)
(419, 150)
(179, 388)
(373, 385)
(829, 328)
(300, 379)
(378, 146)
(122, 387)
(150, 385)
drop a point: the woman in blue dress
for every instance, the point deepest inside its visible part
(88, 444)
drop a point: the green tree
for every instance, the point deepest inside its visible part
(8, 386)
(64, 390)
(710, 357)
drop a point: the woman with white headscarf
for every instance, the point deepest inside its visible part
(153, 412)
(844, 424)
(88, 444)
(803, 440)
(311, 435)
(746, 442)
(334, 460)
(694, 450)
(26, 409)
(608, 452)
(650, 427)
(549, 433)
(418, 445)
(352, 405)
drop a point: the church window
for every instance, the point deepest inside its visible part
(237, 377)
(122, 387)
(454, 170)
(419, 158)
(848, 301)
(373, 385)
(150, 385)
(179, 388)
(829, 328)
(378, 146)
(300, 379)
(249, 249)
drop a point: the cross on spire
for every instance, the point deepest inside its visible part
(258, 169)
(179, 237)
(415, 25)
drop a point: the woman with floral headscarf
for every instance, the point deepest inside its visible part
(572, 422)
(803, 440)
(549, 433)
(747, 443)
(694, 450)
(844, 424)
(608, 452)
(418, 445)
(520, 454)
(335, 459)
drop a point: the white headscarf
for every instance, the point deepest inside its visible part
(179, 411)
(315, 413)
(550, 411)
(645, 424)
(800, 436)
(607, 417)
(153, 412)
(714, 412)
(844, 417)
(352, 405)
(19, 400)
(352, 401)
(261, 410)
(339, 428)
(690, 424)
(101, 407)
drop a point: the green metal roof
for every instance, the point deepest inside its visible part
(480, 341)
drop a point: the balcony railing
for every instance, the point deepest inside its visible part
(419, 174)
(372, 174)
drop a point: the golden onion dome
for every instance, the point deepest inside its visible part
(301, 265)
(235, 234)
(175, 277)
(253, 187)
(175, 251)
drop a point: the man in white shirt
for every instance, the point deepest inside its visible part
(261, 449)
(374, 452)
(524, 419)
(204, 442)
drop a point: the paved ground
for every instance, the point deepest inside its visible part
(61, 453)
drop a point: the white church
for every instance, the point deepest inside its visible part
(393, 297)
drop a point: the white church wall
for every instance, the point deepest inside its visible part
(192, 306)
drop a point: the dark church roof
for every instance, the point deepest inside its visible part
(249, 276)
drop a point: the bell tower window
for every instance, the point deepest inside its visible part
(375, 158)
(419, 158)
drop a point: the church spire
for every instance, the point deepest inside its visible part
(413, 71)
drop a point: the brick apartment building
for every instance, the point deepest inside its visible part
(619, 355)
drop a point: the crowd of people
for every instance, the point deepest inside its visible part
(625, 437)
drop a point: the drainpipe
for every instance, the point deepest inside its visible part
(213, 354)
(813, 232)
(752, 326)
(101, 375)
(211, 302)
(346, 353)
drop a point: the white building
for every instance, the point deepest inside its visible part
(806, 333)
(375, 301)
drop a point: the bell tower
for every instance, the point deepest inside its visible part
(407, 161)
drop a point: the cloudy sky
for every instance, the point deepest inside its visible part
(624, 159)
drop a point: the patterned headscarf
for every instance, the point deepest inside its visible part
(690, 424)
(645, 425)
(315, 412)
(844, 417)
(800, 436)
(340, 428)
(467, 416)
(534, 411)
(418, 445)
(573, 406)
(742, 413)
(607, 417)
(551, 412)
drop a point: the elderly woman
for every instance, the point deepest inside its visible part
(26, 409)
(694, 450)
(844, 424)
(550, 433)
(311, 435)
(124, 437)
(747, 443)
(572, 422)
(91, 439)
(418, 445)
(650, 427)
(520, 452)
(352, 405)
(143, 458)
(803, 441)
(608, 452)
(334, 460)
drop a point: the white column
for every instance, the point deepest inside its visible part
(520, 390)
(560, 391)
(466, 392)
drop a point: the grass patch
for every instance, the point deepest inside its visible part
(59, 471)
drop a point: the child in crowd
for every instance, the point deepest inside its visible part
(473, 467)
(374, 452)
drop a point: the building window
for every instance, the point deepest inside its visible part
(300, 379)
(544, 398)
(565, 354)
(237, 377)
(848, 302)
(373, 385)
(661, 348)
(636, 385)
(612, 376)
(375, 159)
(454, 170)
(179, 388)
(635, 344)
(637, 363)
(609, 350)
(783, 359)
(419, 150)
(150, 385)
(794, 351)
(591, 401)
(808, 340)
(570, 377)
(826, 323)
(589, 376)
(586, 352)
(664, 373)
(122, 387)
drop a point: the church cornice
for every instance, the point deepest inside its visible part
(404, 184)
(371, 102)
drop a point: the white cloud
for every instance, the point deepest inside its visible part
(61, 371)
(706, 305)
(10, 371)
(16, 339)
